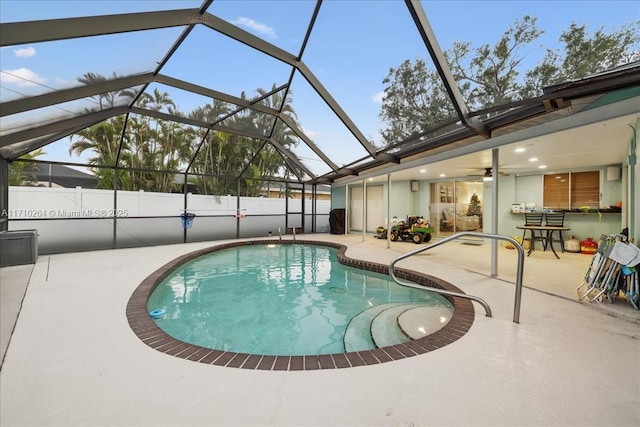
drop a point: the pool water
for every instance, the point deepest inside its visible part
(278, 299)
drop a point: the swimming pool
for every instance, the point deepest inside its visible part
(291, 305)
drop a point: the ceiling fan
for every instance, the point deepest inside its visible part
(487, 174)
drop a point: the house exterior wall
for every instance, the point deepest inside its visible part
(512, 189)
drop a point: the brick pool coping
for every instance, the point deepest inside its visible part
(146, 329)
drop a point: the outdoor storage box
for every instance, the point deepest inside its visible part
(18, 247)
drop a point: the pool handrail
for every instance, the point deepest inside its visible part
(280, 233)
(518, 246)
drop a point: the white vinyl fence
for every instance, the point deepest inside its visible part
(75, 219)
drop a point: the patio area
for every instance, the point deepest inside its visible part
(73, 360)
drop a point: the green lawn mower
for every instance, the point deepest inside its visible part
(413, 229)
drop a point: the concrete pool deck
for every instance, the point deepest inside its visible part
(73, 360)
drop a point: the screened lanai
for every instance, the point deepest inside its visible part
(162, 128)
(119, 118)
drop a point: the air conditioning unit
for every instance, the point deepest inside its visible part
(18, 247)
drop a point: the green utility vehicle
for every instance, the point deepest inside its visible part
(414, 229)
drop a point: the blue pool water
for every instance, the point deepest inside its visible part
(277, 299)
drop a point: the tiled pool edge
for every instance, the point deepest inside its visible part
(149, 333)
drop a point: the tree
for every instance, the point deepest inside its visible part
(102, 140)
(584, 55)
(23, 173)
(474, 206)
(107, 99)
(148, 144)
(490, 77)
(269, 162)
(414, 100)
(157, 147)
(154, 150)
(224, 155)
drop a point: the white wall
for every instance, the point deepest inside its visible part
(529, 189)
(73, 219)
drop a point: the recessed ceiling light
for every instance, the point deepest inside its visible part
(542, 167)
(533, 159)
(370, 179)
(520, 150)
(442, 175)
(423, 170)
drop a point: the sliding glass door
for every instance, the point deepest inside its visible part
(374, 208)
(456, 206)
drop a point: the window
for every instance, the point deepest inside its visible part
(556, 191)
(571, 190)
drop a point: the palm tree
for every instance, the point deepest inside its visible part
(158, 101)
(103, 141)
(223, 155)
(108, 99)
(24, 173)
(270, 162)
(157, 145)
(211, 153)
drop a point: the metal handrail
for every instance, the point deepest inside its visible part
(518, 246)
(280, 233)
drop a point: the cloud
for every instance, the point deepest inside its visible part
(262, 29)
(21, 77)
(25, 52)
(377, 97)
(311, 134)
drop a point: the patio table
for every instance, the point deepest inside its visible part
(548, 229)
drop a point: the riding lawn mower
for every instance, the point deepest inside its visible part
(414, 229)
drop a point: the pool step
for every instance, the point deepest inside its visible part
(422, 321)
(384, 326)
(357, 336)
(394, 323)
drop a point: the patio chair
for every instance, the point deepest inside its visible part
(554, 219)
(534, 219)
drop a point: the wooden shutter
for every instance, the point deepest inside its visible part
(556, 191)
(585, 189)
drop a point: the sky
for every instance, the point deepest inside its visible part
(352, 48)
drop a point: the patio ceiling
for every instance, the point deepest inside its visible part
(141, 50)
